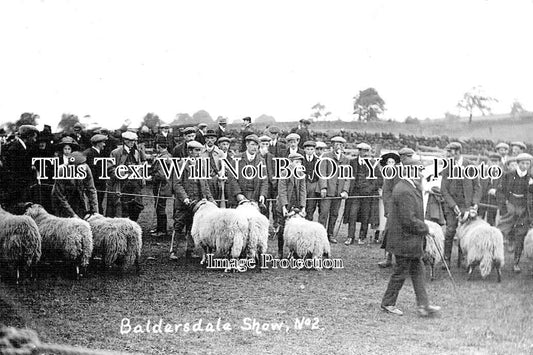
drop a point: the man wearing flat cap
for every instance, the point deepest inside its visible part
(75, 197)
(211, 152)
(277, 148)
(310, 162)
(255, 189)
(119, 205)
(488, 191)
(264, 143)
(164, 134)
(291, 195)
(80, 136)
(200, 134)
(221, 129)
(21, 179)
(181, 150)
(460, 195)
(331, 186)
(98, 142)
(503, 150)
(303, 131)
(187, 191)
(293, 145)
(405, 153)
(517, 148)
(161, 186)
(246, 130)
(516, 189)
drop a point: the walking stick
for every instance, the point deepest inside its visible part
(172, 240)
(343, 204)
(222, 195)
(157, 202)
(445, 263)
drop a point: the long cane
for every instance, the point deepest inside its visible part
(157, 202)
(343, 204)
(445, 263)
(222, 195)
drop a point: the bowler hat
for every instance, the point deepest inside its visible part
(210, 133)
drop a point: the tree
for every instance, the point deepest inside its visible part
(202, 116)
(27, 118)
(318, 112)
(517, 109)
(265, 119)
(181, 119)
(151, 120)
(67, 122)
(368, 105)
(476, 99)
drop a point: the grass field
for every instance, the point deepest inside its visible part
(482, 317)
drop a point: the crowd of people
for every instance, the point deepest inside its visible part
(120, 194)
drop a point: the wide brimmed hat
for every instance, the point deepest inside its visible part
(387, 156)
(67, 141)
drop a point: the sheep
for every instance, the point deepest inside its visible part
(222, 231)
(528, 245)
(481, 243)
(305, 239)
(257, 236)
(116, 240)
(434, 247)
(20, 242)
(68, 239)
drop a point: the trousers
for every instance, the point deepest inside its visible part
(404, 267)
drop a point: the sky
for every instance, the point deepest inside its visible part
(117, 60)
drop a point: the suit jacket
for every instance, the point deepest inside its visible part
(460, 192)
(91, 153)
(120, 156)
(334, 185)
(388, 187)
(361, 185)
(278, 150)
(83, 139)
(18, 165)
(68, 196)
(220, 132)
(200, 137)
(304, 136)
(185, 187)
(169, 139)
(159, 177)
(239, 185)
(406, 228)
(272, 183)
(310, 166)
(180, 151)
(291, 193)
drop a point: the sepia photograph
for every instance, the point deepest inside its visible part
(266, 177)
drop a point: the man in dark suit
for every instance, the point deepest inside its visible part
(164, 135)
(221, 129)
(21, 178)
(488, 192)
(331, 185)
(200, 134)
(246, 130)
(459, 195)
(187, 190)
(405, 239)
(98, 142)
(277, 148)
(291, 194)
(310, 162)
(181, 150)
(255, 189)
(81, 137)
(293, 145)
(264, 143)
(303, 132)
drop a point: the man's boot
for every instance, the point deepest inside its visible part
(387, 262)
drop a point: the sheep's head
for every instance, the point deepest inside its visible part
(468, 216)
(203, 202)
(93, 217)
(34, 210)
(249, 203)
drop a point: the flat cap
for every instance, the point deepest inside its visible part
(524, 156)
(202, 125)
(188, 130)
(338, 139)
(68, 141)
(510, 160)
(252, 137)
(194, 145)
(502, 145)
(77, 158)
(410, 161)
(247, 119)
(78, 125)
(164, 125)
(454, 145)
(131, 136)
(293, 156)
(363, 146)
(321, 145)
(265, 138)
(305, 121)
(210, 133)
(292, 136)
(27, 130)
(519, 144)
(223, 139)
(98, 138)
(222, 120)
(310, 144)
(274, 129)
(406, 151)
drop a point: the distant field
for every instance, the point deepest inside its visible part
(496, 130)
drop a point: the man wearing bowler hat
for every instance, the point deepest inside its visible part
(98, 142)
(119, 205)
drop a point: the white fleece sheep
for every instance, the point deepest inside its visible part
(117, 241)
(20, 242)
(306, 239)
(481, 244)
(434, 240)
(528, 245)
(257, 236)
(68, 239)
(204, 226)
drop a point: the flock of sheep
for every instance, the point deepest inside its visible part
(37, 236)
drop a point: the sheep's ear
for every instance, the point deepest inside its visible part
(28, 205)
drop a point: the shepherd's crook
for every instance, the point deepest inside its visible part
(445, 263)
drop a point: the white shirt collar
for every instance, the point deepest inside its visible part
(223, 129)
(126, 149)
(309, 157)
(97, 150)
(164, 134)
(249, 156)
(22, 142)
(520, 172)
(293, 150)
